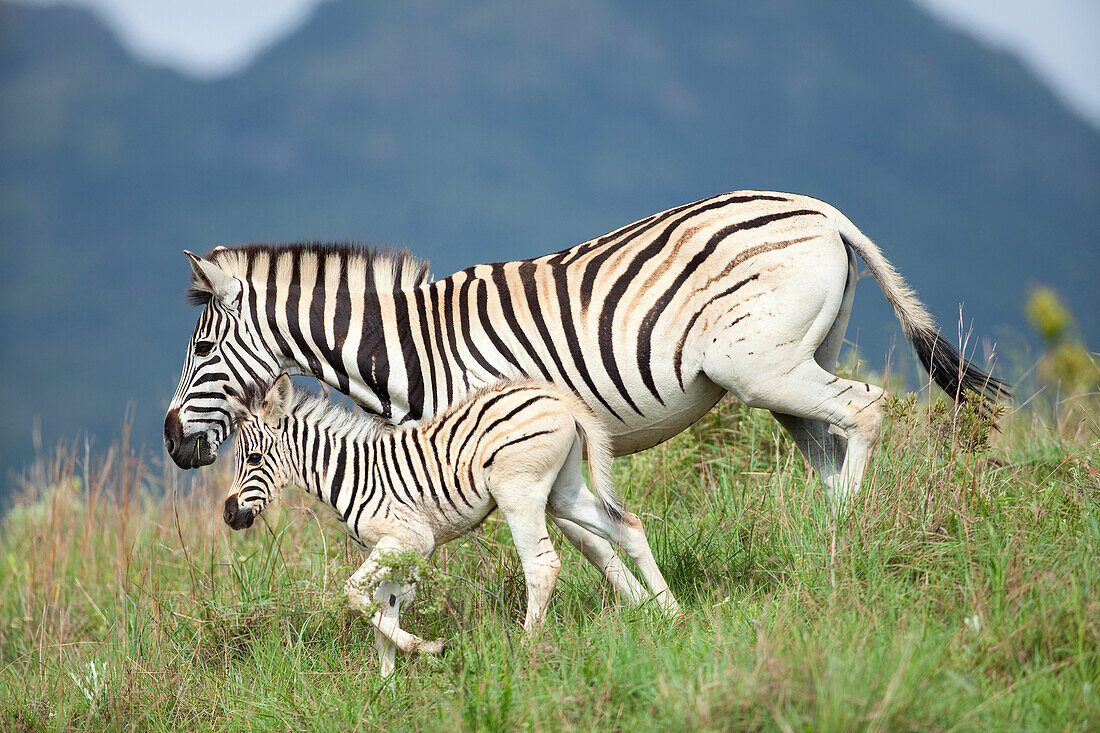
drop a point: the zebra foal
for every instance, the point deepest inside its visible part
(515, 446)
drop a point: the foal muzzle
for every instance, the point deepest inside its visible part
(238, 516)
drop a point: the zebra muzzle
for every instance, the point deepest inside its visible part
(187, 451)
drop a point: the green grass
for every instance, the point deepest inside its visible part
(962, 592)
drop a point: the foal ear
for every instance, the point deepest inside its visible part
(214, 280)
(277, 400)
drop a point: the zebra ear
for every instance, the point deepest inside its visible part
(214, 280)
(277, 400)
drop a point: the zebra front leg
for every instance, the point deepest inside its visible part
(389, 595)
(388, 634)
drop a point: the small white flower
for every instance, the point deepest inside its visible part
(93, 683)
(973, 623)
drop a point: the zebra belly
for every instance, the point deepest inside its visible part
(460, 525)
(660, 422)
(427, 523)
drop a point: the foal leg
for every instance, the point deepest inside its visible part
(600, 553)
(525, 512)
(365, 587)
(388, 634)
(571, 499)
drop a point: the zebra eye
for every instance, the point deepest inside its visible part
(254, 459)
(203, 348)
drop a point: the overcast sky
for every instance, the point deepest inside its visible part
(1058, 39)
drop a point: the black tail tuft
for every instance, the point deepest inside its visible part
(952, 373)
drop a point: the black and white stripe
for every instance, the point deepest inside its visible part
(439, 470)
(515, 446)
(649, 325)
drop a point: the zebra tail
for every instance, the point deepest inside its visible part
(597, 447)
(945, 365)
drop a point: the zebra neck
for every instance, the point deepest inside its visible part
(335, 458)
(354, 355)
(442, 334)
(299, 440)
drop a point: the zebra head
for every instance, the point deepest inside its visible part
(225, 353)
(263, 462)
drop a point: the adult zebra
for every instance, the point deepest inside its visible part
(747, 292)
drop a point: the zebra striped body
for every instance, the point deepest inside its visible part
(427, 482)
(616, 320)
(747, 292)
(516, 446)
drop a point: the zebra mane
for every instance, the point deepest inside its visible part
(389, 270)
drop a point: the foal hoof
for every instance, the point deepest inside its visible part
(432, 647)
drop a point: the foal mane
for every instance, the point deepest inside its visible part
(319, 410)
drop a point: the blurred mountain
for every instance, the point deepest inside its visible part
(484, 131)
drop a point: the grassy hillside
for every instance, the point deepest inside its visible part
(962, 593)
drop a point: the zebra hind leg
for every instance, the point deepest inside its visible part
(824, 450)
(823, 445)
(809, 392)
(600, 553)
(596, 549)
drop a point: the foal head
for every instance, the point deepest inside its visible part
(263, 463)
